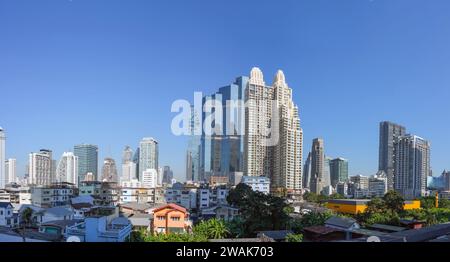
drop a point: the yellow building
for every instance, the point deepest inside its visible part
(355, 206)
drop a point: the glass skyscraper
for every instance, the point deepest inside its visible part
(221, 153)
(148, 155)
(87, 161)
(338, 171)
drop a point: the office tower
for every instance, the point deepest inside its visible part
(127, 155)
(378, 185)
(194, 144)
(307, 172)
(167, 175)
(148, 155)
(67, 169)
(3, 177)
(10, 170)
(149, 177)
(128, 166)
(360, 182)
(326, 181)
(273, 144)
(338, 170)
(40, 168)
(412, 166)
(222, 145)
(128, 171)
(87, 161)
(389, 133)
(159, 177)
(109, 170)
(317, 165)
(136, 161)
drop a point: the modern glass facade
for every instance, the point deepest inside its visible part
(221, 152)
(338, 171)
(87, 160)
(148, 155)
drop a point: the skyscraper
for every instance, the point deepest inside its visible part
(128, 166)
(67, 169)
(273, 144)
(127, 155)
(317, 165)
(148, 155)
(338, 171)
(136, 162)
(109, 170)
(3, 177)
(40, 168)
(10, 170)
(221, 149)
(307, 172)
(149, 178)
(288, 153)
(412, 166)
(389, 133)
(193, 151)
(167, 175)
(87, 161)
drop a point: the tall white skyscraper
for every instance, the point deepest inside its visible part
(67, 168)
(273, 145)
(148, 155)
(149, 178)
(10, 170)
(3, 177)
(40, 168)
(412, 166)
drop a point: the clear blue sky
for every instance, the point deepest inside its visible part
(106, 72)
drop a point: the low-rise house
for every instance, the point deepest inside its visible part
(170, 218)
(81, 210)
(223, 212)
(54, 213)
(57, 228)
(140, 221)
(277, 235)
(7, 216)
(100, 228)
(8, 235)
(342, 223)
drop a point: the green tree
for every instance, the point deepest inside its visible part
(236, 228)
(394, 201)
(294, 238)
(211, 229)
(259, 211)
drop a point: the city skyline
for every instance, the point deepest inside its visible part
(337, 76)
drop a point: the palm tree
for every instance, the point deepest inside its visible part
(217, 228)
(27, 215)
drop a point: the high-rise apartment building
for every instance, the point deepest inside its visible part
(412, 166)
(3, 177)
(149, 178)
(87, 161)
(109, 170)
(338, 171)
(273, 143)
(148, 155)
(128, 165)
(317, 165)
(389, 134)
(11, 170)
(40, 168)
(67, 168)
(307, 172)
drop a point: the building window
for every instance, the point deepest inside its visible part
(175, 218)
(161, 218)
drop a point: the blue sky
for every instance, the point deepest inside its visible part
(106, 72)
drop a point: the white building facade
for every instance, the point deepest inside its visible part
(67, 169)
